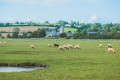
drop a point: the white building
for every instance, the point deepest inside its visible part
(53, 32)
(61, 29)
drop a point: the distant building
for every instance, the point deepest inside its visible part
(61, 29)
(52, 32)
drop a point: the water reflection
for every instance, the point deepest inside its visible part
(17, 69)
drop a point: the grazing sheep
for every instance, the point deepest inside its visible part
(0, 42)
(4, 42)
(111, 50)
(65, 46)
(49, 45)
(109, 45)
(32, 46)
(56, 45)
(61, 48)
(70, 46)
(101, 45)
(77, 47)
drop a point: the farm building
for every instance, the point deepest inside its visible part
(53, 32)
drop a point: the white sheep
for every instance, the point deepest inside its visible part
(111, 50)
(49, 45)
(101, 45)
(4, 42)
(77, 47)
(32, 46)
(109, 45)
(61, 48)
(0, 42)
(70, 46)
(66, 47)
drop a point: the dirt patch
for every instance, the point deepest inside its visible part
(23, 52)
(26, 51)
(24, 65)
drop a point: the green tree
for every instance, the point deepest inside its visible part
(16, 29)
(21, 23)
(77, 23)
(62, 35)
(106, 27)
(95, 27)
(62, 23)
(27, 23)
(16, 22)
(7, 24)
(46, 22)
(72, 24)
(8, 35)
(78, 35)
(1, 24)
(24, 35)
(33, 34)
(38, 34)
(32, 23)
(41, 33)
(84, 32)
(15, 32)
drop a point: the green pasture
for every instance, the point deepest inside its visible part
(88, 63)
(70, 29)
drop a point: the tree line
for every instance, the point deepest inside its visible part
(36, 34)
(98, 31)
(84, 30)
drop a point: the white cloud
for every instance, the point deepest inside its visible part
(31, 19)
(92, 19)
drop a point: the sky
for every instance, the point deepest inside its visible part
(84, 11)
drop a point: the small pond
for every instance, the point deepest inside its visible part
(17, 69)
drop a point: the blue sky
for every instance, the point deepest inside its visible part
(87, 11)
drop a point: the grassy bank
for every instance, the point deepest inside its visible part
(89, 63)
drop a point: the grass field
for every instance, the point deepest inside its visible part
(70, 29)
(89, 63)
